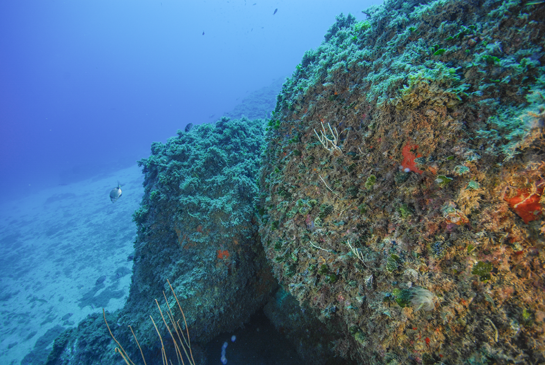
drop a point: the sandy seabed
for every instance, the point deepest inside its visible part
(65, 252)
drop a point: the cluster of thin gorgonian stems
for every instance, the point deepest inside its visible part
(181, 342)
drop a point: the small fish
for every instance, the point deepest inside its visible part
(275, 10)
(115, 193)
(202, 33)
(537, 2)
(188, 127)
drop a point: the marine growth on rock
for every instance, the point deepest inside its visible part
(420, 138)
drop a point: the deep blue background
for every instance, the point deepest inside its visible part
(87, 85)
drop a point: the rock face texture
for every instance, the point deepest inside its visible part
(196, 228)
(313, 341)
(402, 183)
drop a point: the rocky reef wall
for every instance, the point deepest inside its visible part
(402, 183)
(197, 229)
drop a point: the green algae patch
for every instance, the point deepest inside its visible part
(482, 270)
(370, 182)
(402, 297)
(393, 262)
(443, 180)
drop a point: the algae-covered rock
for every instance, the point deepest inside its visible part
(197, 229)
(419, 134)
(200, 229)
(299, 324)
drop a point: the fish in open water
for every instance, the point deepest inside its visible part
(116, 193)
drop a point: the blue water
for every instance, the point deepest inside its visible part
(86, 86)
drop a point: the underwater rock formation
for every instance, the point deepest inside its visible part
(196, 225)
(313, 341)
(196, 228)
(259, 103)
(403, 178)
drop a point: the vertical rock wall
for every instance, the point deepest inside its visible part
(402, 183)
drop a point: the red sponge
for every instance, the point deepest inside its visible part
(408, 158)
(530, 209)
